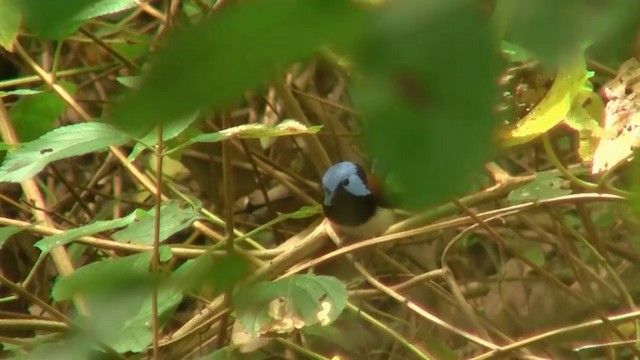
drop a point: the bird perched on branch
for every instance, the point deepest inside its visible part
(354, 201)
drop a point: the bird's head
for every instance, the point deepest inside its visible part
(351, 196)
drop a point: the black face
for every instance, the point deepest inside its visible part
(350, 210)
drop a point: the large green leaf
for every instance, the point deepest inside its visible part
(49, 242)
(429, 95)
(214, 62)
(313, 299)
(546, 185)
(100, 276)
(55, 19)
(10, 16)
(173, 218)
(61, 143)
(220, 274)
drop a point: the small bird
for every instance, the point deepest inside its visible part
(354, 201)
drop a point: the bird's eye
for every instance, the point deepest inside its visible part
(345, 182)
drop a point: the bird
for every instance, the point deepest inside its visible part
(354, 201)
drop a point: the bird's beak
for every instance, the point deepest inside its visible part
(328, 196)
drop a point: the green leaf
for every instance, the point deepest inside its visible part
(10, 16)
(555, 29)
(252, 131)
(33, 116)
(553, 107)
(61, 143)
(129, 81)
(169, 131)
(55, 19)
(306, 294)
(136, 332)
(6, 232)
(546, 185)
(429, 95)
(219, 274)
(173, 218)
(535, 255)
(102, 276)
(20, 92)
(49, 242)
(255, 131)
(78, 347)
(134, 46)
(118, 294)
(241, 48)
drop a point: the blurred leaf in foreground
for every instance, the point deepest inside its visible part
(118, 294)
(35, 115)
(215, 61)
(10, 17)
(554, 29)
(54, 19)
(432, 70)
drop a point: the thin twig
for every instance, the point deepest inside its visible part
(155, 258)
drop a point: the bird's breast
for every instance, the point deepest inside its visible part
(377, 224)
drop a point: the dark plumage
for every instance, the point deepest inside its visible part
(353, 202)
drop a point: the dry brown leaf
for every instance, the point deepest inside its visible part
(285, 316)
(621, 118)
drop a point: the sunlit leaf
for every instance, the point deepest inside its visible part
(63, 142)
(173, 218)
(253, 131)
(553, 107)
(20, 92)
(621, 118)
(245, 342)
(584, 118)
(227, 55)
